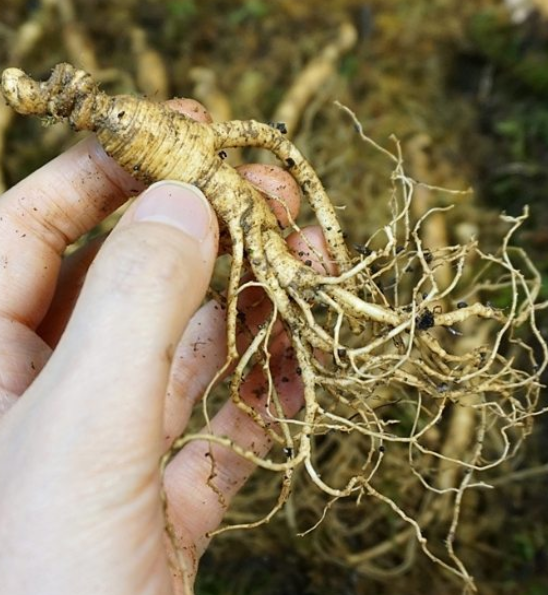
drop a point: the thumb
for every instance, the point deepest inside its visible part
(108, 375)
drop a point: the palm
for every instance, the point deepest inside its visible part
(92, 393)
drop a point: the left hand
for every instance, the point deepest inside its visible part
(97, 377)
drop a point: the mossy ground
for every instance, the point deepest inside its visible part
(464, 90)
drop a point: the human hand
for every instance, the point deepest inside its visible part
(90, 405)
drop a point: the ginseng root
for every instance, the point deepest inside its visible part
(373, 349)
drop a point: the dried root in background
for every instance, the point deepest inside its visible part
(380, 345)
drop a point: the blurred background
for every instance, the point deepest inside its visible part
(463, 84)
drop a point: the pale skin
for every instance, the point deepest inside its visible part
(98, 377)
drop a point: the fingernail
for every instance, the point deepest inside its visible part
(177, 204)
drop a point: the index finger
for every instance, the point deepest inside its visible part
(43, 214)
(47, 211)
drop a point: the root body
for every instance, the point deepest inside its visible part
(375, 352)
